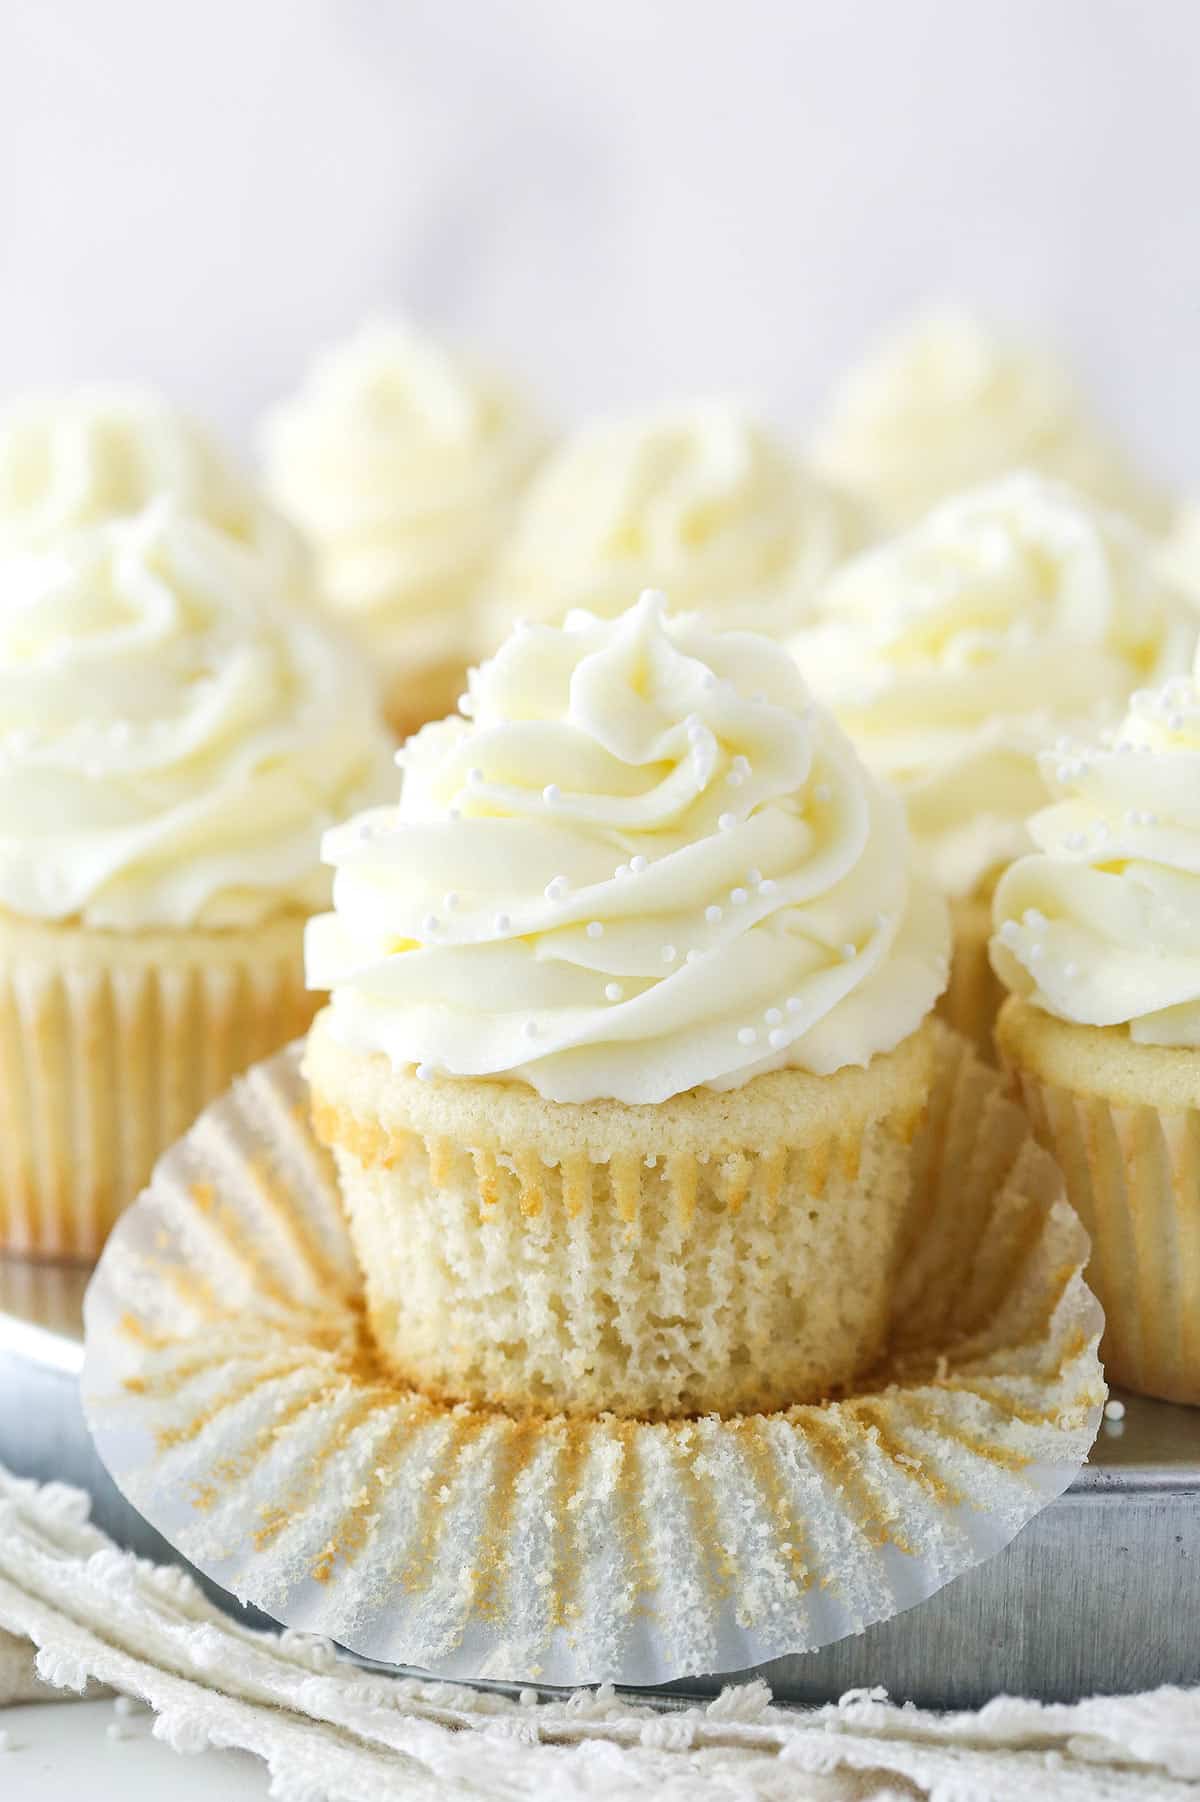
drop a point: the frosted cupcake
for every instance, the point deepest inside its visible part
(957, 651)
(77, 459)
(947, 403)
(704, 502)
(621, 1068)
(1098, 937)
(174, 736)
(402, 463)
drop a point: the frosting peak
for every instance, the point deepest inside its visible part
(643, 863)
(1101, 926)
(956, 651)
(173, 734)
(947, 403)
(704, 502)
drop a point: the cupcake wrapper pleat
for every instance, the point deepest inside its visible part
(650, 1287)
(974, 993)
(103, 1064)
(1133, 1175)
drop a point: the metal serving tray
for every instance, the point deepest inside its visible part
(1100, 1593)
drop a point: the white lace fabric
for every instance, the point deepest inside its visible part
(329, 1731)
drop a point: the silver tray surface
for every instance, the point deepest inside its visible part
(1099, 1594)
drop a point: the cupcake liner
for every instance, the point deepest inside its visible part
(235, 1397)
(1133, 1173)
(109, 1047)
(974, 993)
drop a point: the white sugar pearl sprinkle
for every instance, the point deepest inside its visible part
(734, 778)
(556, 888)
(739, 897)
(1114, 1409)
(622, 870)
(475, 777)
(793, 1004)
(741, 765)
(551, 793)
(450, 901)
(708, 681)
(637, 865)
(727, 821)
(669, 954)
(777, 1038)
(746, 1035)
(768, 886)
(753, 878)
(1010, 932)
(425, 1072)
(431, 924)
(613, 991)
(595, 929)
(714, 915)
(502, 922)
(773, 1017)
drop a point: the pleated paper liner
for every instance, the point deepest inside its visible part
(233, 1395)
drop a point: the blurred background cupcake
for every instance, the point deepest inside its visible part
(956, 652)
(402, 462)
(947, 402)
(98, 452)
(621, 1068)
(704, 502)
(1098, 937)
(175, 732)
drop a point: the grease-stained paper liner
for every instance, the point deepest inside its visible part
(233, 1395)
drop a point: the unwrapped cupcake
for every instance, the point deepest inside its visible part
(629, 1031)
(77, 459)
(174, 736)
(1098, 937)
(956, 652)
(704, 502)
(402, 462)
(947, 402)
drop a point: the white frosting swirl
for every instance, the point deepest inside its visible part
(402, 462)
(74, 460)
(1181, 552)
(711, 886)
(946, 403)
(704, 503)
(1101, 926)
(955, 652)
(172, 740)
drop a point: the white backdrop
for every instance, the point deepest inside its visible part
(627, 198)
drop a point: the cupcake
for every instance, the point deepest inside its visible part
(947, 403)
(174, 736)
(703, 502)
(402, 463)
(629, 1032)
(958, 650)
(1098, 938)
(78, 459)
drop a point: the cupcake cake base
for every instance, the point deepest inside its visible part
(236, 1398)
